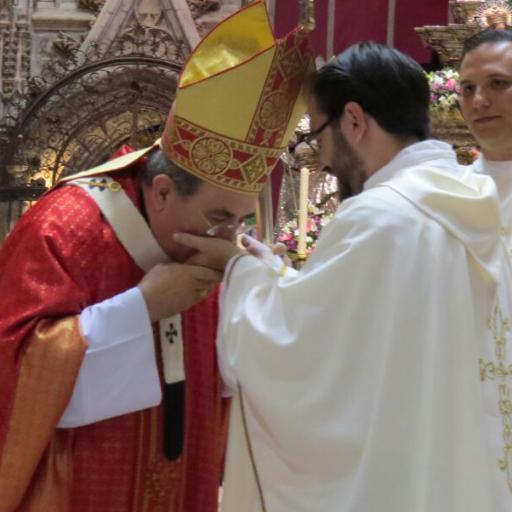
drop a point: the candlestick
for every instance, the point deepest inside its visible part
(303, 212)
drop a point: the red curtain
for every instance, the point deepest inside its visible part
(357, 20)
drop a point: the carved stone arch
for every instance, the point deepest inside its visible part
(83, 116)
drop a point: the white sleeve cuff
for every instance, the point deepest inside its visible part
(119, 374)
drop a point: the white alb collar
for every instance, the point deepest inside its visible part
(433, 152)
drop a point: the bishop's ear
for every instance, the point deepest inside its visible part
(162, 191)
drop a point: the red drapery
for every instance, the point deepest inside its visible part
(357, 20)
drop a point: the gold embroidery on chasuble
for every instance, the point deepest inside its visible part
(500, 371)
(101, 184)
(158, 480)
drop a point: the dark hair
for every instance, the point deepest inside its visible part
(487, 36)
(186, 183)
(387, 84)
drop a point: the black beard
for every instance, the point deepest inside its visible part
(347, 167)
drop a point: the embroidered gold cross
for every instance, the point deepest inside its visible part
(102, 184)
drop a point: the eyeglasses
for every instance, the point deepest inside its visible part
(311, 138)
(226, 226)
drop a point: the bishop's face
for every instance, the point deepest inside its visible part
(208, 208)
(486, 98)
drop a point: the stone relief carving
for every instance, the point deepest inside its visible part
(148, 13)
(67, 45)
(93, 6)
(200, 7)
(147, 33)
(51, 123)
(14, 52)
(5, 4)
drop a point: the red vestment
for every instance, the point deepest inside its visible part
(61, 257)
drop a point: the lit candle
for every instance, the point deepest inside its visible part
(303, 212)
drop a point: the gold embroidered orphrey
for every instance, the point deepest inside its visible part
(501, 372)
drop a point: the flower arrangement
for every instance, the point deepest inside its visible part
(444, 90)
(289, 236)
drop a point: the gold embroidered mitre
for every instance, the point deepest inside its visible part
(239, 98)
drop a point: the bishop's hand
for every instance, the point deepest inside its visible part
(171, 288)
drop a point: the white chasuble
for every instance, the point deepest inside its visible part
(496, 356)
(360, 375)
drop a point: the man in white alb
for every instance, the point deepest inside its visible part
(486, 103)
(370, 380)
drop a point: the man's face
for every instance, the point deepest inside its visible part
(486, 98)
(335, 154)
(170, 213)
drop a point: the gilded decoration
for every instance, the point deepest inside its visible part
(161, 477)
(500, 371)
(254, 169)
(470, 17)
(227, 163)
(447, 123)
(290, 63)
(211, 155)
(281, 90)
(274, 111)
(495, 14)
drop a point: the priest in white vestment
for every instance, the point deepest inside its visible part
(486, 103)
(372, 379)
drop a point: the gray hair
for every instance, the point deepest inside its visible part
(186, 183)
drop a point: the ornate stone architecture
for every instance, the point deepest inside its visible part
(206, 13)
(80, 77)
(470, 16)
(199, 8)
(15, 48)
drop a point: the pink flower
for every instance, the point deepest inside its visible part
(310, 225)
(451, 84)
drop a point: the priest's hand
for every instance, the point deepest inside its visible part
(273, 256)
(215, 252)
(211, 252)
(171, 288)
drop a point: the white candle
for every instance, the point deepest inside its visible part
(303, 212)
